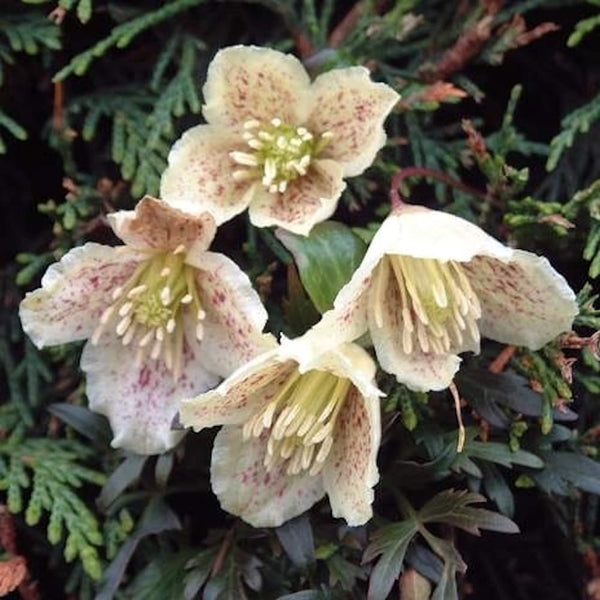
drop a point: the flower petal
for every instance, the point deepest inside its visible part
(248, 82)
(423, 233)
(154, 225)
(346, 360)
(307, 201)
(140, 400)
(353, 108)
(235, 316)
(239, 396)
(245, 488)
(74, 293)
(199, 176)
(524, 302)
(417, 370)
(347, 320)
(351, 468)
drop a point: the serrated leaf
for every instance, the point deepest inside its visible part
(391, 542)
(579, 470)
(326, 259)
(501, 454)
(452, 507)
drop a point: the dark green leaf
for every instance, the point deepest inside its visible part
(124, 475)
(391, 542)
(83, 420)
(508, 389)
(296, 537)
(157, 517)
(497, 489)
(326, 259)
(451, 506)
(581, 471)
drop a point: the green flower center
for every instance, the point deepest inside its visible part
(277, 153)
(437, 303)
(301, 421)
(149, 311)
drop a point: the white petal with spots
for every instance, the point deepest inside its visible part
(246, 489)
(524, 302)
(249, 82)
(199, 177)
(353, 108)
(155, 225)
(140, 401)
(75, 292)
(235, 316)
(308, 200)
(351, 469)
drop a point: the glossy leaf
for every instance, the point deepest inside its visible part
(326, 259)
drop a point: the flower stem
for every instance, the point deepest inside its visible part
(403, 174)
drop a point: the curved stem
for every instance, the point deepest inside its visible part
(403, 174)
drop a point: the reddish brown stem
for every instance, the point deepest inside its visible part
(499, 363)
(222, 554)
(349, 22)
(403, 174)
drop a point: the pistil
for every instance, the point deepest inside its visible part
(438, 307)
(149, 312)
(301, 421)
(277, 153)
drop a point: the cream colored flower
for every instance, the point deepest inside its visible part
(294, 429)
(165, 319)
(430, 285)
(275, 142)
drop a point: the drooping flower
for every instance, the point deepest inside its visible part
(274, 142)
(294, 430)
(430, 285)
(165, 319)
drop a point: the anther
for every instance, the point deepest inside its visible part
(171, 325)
(186, 299)
(165, 272)
(129, 335)
(165, 295)
(201, 314)
(123, 325)
(276, 122)
(243, 158)
(125, 309)
(199, 331)
(116, 293)
(106, 315)
(146, 339)
(136, 291)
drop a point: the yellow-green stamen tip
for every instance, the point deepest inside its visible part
(148, 311)
(277, 153)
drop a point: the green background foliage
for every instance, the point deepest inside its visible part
(498, 123)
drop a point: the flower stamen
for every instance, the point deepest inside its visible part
(278, 153)
(149, 310)
(300, 420)
(438, 307)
